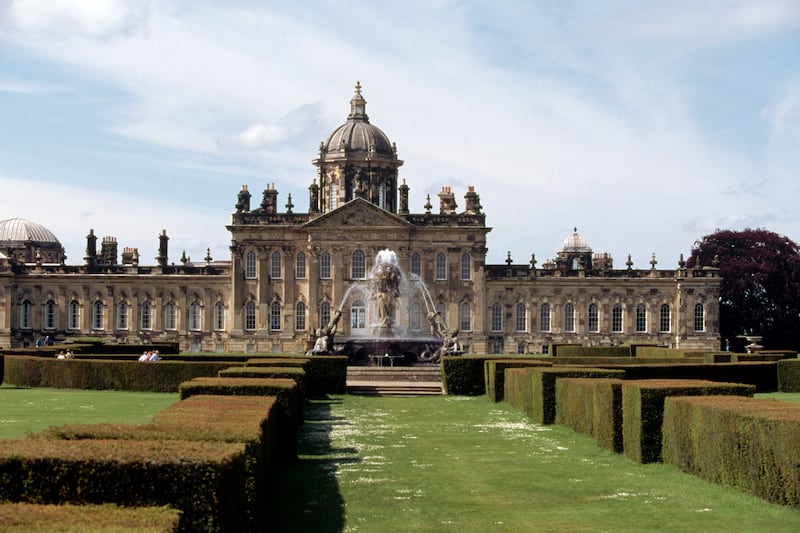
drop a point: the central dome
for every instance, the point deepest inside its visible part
(575, 244)
(357, 137)
(16, 232)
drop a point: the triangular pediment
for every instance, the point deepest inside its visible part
(358, 213)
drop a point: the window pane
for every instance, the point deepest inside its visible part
(544, 318)
(276, 264)
(219, 316)
(665, 325)
(97, 315)
(275, 316)
(616, 318)
(146, 318)
(300, 267)
(250, 316)
(522, 317)
(250, 265)
(170, 316)
(641, 318)
(594, 322)
(699, 318)
(416, 264)
(497, 317)
(324, 314)
(465, 317)
(466, 267)
(122, 315)
(74, 318)
(359, 268)
(300, 316)
(441, 267)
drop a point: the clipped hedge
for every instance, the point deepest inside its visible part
(643, 410)
(762, 375)
(607, 415)
(789, 375)
(494, 373)
(575, 404)
(287, 372)
(161, 376)
(207, 481)
(27, 517)
(517, 390)
(756, 443)
(576, 350)
(290, 412)
(543, 388)
(325, 374)
(463, 375)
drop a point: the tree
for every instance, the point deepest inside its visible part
(760, 292)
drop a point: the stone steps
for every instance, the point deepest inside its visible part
(398, 381)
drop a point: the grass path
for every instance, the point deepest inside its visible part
(465, 465)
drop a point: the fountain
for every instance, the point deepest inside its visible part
(395, 303)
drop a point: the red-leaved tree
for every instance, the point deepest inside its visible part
(760, 293)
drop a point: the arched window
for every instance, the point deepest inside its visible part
(665, 323)
(122, 315)
(324, 314)
(416, 264)
(544, 317)
(25, 319)
(521, 322)
(465, 317)
(250, 265)
(300, 265)
(146, 316)
(466, 267)
(300, 316)
(594, 318)
(250, 316)
(359, 268)
(50, 315)
(441, 267)
(415, 317)
(497, 318)
(195, 316)
(569, 318)
(641, 318)
(358, 317)
(219, 316)
(382, 196)
(170, 316)
(73, 315)
(325, 266)
(97, 315)
(275, 316)
(616, 318)
(699, 317)
(276, 266)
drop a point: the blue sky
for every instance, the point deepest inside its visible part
(646, 125)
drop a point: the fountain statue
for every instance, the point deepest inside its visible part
(394, 298)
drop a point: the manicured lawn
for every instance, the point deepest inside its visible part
(24, 410)
(462, 464)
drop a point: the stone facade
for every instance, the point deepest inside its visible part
(288, 272)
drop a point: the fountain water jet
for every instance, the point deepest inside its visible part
(396, 326)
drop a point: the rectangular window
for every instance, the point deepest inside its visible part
(665, 322)
(325, 266)
(97, 315)
(522, 317)
(466, 267)
(497, 318)
(170, 317)
(641, 318)
(544, 318)
(699, 318)
(74, 315)
(441, 267)
(276, 270)
(594, 322)
(250, 265)
(146, 319)
(616, 319)
(569, 318)
(300, 266)
(219, 316)
(465, 317)
(122, 315)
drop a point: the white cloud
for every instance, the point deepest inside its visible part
(71, 18)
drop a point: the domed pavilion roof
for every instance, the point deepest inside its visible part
(18, 232)
(575, 244)
(357, 137)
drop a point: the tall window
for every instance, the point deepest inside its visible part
(50, 315)
(641, 318)
(699, 317)
(275, 316)
(441, 266)
(664, 322)
(466, 267)
(382, 196)
(324, 314)
(195, 316)
(497, 317)
(333, 201)
(300, 316)
(544, 317)
(250, 316)
(416, 264)
(170, 316)
(300, 265)
(521, 322)
(616, 318)
(594, 319)
(415, 317)
(146, 316)
(276, 266)
(25, 315)
(325, 266)
(358, 316)
(122, 315)
(73, 315)
(465, 317)
(219, 316)
(569, 318)
(250, 265)
(97, 315)
(359, 267)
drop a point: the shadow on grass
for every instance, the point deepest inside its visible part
(306, 493)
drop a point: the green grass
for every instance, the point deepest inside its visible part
(463, 464)
(24, 410)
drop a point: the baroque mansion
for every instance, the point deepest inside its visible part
(289, 272)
